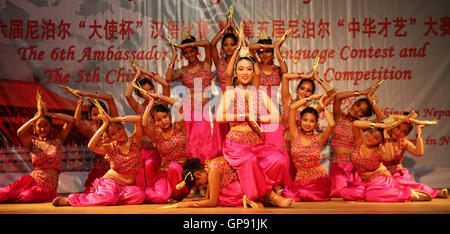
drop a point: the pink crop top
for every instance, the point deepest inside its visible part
(188, 78)
(48, 158)
(239, 105)
(342, 134)
(399, 150)
(172, 148)
(306, 156)
(366, 162)
(221, 73)
(125, 164)
(228, 174)
(269, 80)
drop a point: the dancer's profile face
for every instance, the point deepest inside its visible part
(400, 131)
(308, 122)
(201, 177)
(190, 54)
(162, 119)
(358, 109)
(228, 46)
(373, 138)
(244, 71)
(305, 90)
(147, 87)
(42, 127)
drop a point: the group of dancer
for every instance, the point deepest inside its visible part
(249, 152)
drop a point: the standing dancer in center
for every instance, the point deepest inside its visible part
(203, 134)
(342, 171)
(260, 166)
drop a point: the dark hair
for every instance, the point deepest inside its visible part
(307, 80)
(190, 40)
(377, 130)
(410, 125)
(369, 110)
(191, 166)
(267, 42)
(111, 124)
(310, 110)
(229, 35)
(160, 108)
(141, 83)
(48, 118)
(92, 106)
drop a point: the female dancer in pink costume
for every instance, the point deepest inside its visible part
(312, 182)
(224, 187)
(100, 165)
(260, 166)
(150, 155)
(118, 185)
(401, 145)
(342, 171)
(305, 88)
(269, 80)
(46, 149)
(204, 139)
(170, 140)
(229, 45)
(377, 184)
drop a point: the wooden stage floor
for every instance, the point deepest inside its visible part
(335, 206)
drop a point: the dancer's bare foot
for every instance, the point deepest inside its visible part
(61, 201)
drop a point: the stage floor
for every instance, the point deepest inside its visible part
(335, 206)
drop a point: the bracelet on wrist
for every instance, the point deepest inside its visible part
(196, 204)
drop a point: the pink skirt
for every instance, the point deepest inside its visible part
(107, 192)
(26, 189)
(204, 140)
(316, 190)
(403, 177)
(380, 189)
(259, 167)
(274, 135)
(151, 164)
(342, 175)
(163, 184)
(231, 195)
(100, 166)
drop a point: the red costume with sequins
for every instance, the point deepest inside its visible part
(111, 190)
(380, 186)
(204, 139)
(312, 182)
(164, 180)
(38, 186)
(342, 171)
(402, 174)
